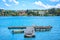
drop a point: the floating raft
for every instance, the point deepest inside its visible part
(36, 27)
(43, 28)
(17, 31)
(15, 27)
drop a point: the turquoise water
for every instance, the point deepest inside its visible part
(5, 22)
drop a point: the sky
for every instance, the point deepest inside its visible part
(28, 4)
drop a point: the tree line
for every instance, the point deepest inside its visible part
(48, 12)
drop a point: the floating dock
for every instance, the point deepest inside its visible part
(30, 31)
(17, 31)
(16, 27)
(43, 28)
(36, 27)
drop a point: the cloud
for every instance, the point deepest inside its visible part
(1, 8)
(54, 0)
(39, 3)
(13, 1)
(16, 2)
(7, 4)
(55, 6)
(58, 6)
(4, 0)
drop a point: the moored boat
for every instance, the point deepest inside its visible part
(29, 32)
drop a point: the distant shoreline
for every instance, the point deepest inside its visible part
(48, 12)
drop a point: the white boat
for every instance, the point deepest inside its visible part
(29, 32)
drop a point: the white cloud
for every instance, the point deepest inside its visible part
(4, 0)
(16, 2)
(57, 6)
(54, 0)
(7, 4)
(39, 3)
(13, 1)
(1, 8)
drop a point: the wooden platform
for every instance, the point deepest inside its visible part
(36, 27)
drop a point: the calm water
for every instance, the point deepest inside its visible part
(54, 34)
